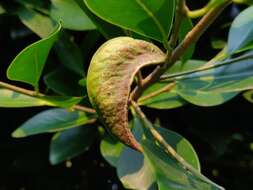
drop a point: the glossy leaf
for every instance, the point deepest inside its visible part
(70, 15)
(136, 171)
(33, 20)
(109, 90)
(52, 120)
(241, 31)
(11, 99)
(111, 150)
(231, 75)
(70, 143)
(170, 175)
(29, 63)
(70, 87)
(106, 29)
(150, 18)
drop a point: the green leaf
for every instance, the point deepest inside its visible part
(170, 175)
(29, 63)
(69, 54)
(231, 75)
(70, 87)
(70, 143)
(70, 15)
(33, 20)
(248, 96)
(185, 27)
(165, 100)
(2, 10)
(106, 29)
(241, 31)
(52, 120)
(109, 90)
(137, 172)
(111, 150)
(11, 99)
(150, 18)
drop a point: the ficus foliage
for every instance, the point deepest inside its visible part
(84, 96)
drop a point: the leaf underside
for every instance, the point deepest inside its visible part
(109, 79)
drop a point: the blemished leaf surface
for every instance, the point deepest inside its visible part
(109, 80)
(29, 63)
(53, 120)
(11, 99)
(33, 20)
(70, 143)
(106, 29)
(151, 18)
(241, 31)
(70, 15)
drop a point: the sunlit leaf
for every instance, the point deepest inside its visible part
(109, 79)
(29, 63)
(150, 18)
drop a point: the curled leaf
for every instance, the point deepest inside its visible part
(109, 79)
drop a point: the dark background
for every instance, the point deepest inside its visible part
(222, 135)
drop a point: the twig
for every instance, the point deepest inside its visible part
(169, 149)
(40, 95)
(180, 14)
(167, 88)
(190, 38)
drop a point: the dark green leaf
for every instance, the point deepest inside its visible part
(70, 15)
(241, 31)
(185, 27)
(52, 120)
(70, 143)
(150, 18)
(29, 63)
(70, 54)
(107, 30)
(249, 96)
(70, 87)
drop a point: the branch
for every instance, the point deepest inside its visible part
(169, 149)
(40, 95)
(190, 38)
(180, 14)
(167, 88)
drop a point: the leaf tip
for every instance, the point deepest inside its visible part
(19, 133)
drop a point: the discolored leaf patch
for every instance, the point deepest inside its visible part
(109, 79)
